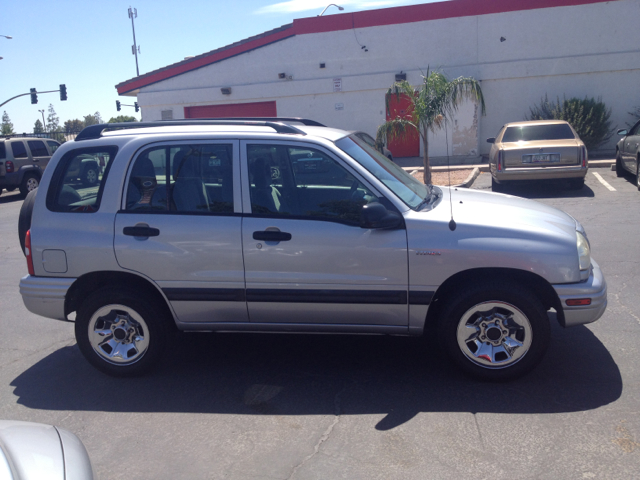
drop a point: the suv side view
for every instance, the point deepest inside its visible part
(22, 162)
(262, 225)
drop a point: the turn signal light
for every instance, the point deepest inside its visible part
(27, 252)
(578, 302)
(500, 154)
(9, 166)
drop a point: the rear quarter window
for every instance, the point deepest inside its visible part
(78, 181)
(3, 151)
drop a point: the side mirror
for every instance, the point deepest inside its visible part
(623, 132)
(491, 140)
(375, 215)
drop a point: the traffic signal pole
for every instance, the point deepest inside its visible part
(63, 90)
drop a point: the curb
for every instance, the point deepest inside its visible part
(470, 179)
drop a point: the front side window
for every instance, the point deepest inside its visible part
(53, 146)
(182, 178)
(79, 178)
(303, 182)
(18, 149)
(37, 148)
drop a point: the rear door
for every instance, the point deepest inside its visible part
(307, 261)
(39, 153)
(180, 226)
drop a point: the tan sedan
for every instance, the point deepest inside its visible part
(537, 150)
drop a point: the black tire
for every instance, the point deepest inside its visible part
(139, 332)
(24, 218)
(620, 171)
(576, 183)
(496, 187)
(90, 176)
(30, 182)
(10, 189)
(504, 350)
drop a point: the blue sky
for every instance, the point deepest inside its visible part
(87, 45)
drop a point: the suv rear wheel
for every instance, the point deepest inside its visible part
(120, 333)
(496, 331)
(30, 182)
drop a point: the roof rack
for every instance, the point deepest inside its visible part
(93, 132)
(303, 121)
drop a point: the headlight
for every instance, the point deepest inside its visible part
(584, 251)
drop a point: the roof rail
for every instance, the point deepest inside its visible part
(95, 131)
(303, 121)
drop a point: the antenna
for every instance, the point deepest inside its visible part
(452, 222)
(133, 13)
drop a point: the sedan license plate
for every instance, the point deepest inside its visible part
(541, 158)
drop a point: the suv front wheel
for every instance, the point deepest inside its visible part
(495, 331)
(120, 333)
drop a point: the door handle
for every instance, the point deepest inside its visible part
(141, 231)
(272, 236)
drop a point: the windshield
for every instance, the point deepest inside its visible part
(408, 189)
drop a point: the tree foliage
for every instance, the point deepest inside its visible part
(122, 119)
(7, 126)
(53, 121)
(94, 119)
(38, 127)
(433, 103)
(589, 117)
(73, 125)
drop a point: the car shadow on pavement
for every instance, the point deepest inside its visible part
(9, 198)
(253, 374)
(547, 190)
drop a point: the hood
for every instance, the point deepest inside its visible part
(508, 212)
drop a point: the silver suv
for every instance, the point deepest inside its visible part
(22, 161)
(275, 227)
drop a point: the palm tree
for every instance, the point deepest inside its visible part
(432, 104)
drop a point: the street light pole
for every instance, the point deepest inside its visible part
(8, 37)
(133, 13)
(331, 5)
(44, 125)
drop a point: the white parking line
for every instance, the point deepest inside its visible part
(603, 181)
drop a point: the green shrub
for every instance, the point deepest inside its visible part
(589, 117)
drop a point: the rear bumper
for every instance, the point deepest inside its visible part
(10, 180)
(594, 288)
(45, 296)
(538, 173)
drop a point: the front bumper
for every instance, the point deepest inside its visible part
(45, 296)
(594, 288)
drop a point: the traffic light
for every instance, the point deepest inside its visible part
(34, 97)
(135, 104)
(63, 92)
(118, 105)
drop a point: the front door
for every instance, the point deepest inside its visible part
(307, 261)
(180, 226)
(407, 145)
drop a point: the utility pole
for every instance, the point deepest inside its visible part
(133, 13)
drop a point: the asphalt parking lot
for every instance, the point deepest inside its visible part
(244, 406)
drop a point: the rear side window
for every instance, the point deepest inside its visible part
(79, 178)
(18, 149)
(532, 133)
(37, 148)
(182, 178)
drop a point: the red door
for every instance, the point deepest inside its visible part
(256, 109)
(408, 146)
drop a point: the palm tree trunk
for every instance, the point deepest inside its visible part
(425, 157)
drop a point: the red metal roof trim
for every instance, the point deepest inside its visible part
(346, 21)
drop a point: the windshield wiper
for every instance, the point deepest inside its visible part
(432, 196)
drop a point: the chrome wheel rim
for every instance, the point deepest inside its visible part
(118, 334)
(92, 176)
(32, 184)
(494, 335)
